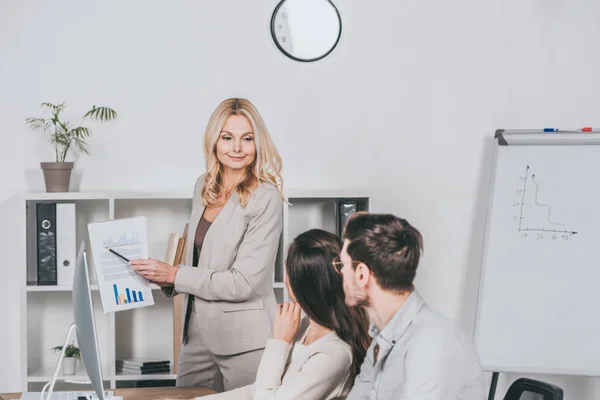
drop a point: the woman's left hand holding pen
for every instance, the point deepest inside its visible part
(155, 270)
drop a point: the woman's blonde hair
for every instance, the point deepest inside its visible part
(266, 167)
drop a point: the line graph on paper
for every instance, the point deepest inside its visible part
(537, 215)
(123, 240)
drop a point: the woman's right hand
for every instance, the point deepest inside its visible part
(287, 322)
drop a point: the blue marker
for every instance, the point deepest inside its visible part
(550, 130)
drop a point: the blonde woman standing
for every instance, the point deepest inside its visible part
(233, 237)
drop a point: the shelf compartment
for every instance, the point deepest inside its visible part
(85, 211)
(49, 316)
(132, 328)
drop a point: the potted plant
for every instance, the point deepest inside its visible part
(63, 134)
(69, 363)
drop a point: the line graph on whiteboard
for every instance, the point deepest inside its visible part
(534, 214)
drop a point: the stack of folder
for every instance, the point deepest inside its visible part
(143, 367)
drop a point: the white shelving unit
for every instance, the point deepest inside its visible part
(47, 310)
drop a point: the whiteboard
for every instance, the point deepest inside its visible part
(539, 296)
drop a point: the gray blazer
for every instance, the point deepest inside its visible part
(233, 282)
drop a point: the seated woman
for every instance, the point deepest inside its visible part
(327, 347)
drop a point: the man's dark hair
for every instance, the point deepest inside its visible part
(389, 246)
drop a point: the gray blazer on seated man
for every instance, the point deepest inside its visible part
(416, 354)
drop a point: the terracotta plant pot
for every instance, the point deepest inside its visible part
(57, 175)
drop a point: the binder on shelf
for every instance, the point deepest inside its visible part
(56, 244)
(46, 243)
(345, 208)
(66, 245)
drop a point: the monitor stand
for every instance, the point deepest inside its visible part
(50, 385)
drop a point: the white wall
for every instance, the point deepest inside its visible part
(407, 104)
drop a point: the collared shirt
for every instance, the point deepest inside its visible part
(419, 355)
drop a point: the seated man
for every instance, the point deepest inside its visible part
(416, 353)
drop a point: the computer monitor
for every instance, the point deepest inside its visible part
(85, 325)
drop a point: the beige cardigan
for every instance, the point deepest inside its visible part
(321, 370)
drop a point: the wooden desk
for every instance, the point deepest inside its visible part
(158, 393)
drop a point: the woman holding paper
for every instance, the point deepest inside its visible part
(233, 238)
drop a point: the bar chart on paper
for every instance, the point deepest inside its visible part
(129, 296)
(121, 287)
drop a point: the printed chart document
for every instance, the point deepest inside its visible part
(121, 288)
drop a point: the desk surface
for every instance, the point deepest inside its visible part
(157, 393)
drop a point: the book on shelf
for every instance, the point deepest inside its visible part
(142, 367)
(145, 372)
(141, 363)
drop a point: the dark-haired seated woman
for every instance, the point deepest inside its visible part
(317, 357)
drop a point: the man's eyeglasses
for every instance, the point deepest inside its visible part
(338, 264)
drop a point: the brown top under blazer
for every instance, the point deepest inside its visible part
(233, 282)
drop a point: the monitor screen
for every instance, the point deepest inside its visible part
(85, 325)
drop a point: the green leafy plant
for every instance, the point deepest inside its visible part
(70, 351)
(62, 133)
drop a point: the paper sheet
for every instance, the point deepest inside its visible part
(121, 288)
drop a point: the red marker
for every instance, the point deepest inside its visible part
(587, 129)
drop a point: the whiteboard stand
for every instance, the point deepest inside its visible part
(538, 302)
(493, 385)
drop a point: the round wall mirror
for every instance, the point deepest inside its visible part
(306, 30)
